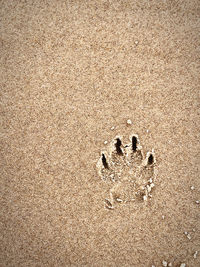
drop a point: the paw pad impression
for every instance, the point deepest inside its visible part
(131, 176)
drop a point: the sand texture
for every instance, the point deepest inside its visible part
(79, 79)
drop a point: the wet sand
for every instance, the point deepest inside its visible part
(70, 71)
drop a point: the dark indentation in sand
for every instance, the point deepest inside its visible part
(118, 146)
(150, 159)
(134, 143)
(104, 161)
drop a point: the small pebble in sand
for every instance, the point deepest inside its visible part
(152, 185)
(188, 235)
(195, 254)
(136, 42)
(163, 217)
(164, 263)
(144, 198)
(192, 187)
(148, 188)
(105, 142)
(170, 264)
(119, 200)
(197, 201)
(182, 265)
(112, 128)
(147, 130)
(153, 266)
(129, 122)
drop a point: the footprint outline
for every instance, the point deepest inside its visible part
(131, 175)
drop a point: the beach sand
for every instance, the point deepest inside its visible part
(70, 71)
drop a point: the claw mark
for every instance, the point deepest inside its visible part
(150, 159)
(134, 143)
(104, 161)
(118, 147)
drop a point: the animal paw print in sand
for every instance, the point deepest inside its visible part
(131, 175)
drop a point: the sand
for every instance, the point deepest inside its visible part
(70, 71)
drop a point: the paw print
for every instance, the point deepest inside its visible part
(131, 176)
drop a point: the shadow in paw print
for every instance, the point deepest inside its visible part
(135, 154)
(104, 162)
(146, 171)
(118, 147)
(131, 177)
